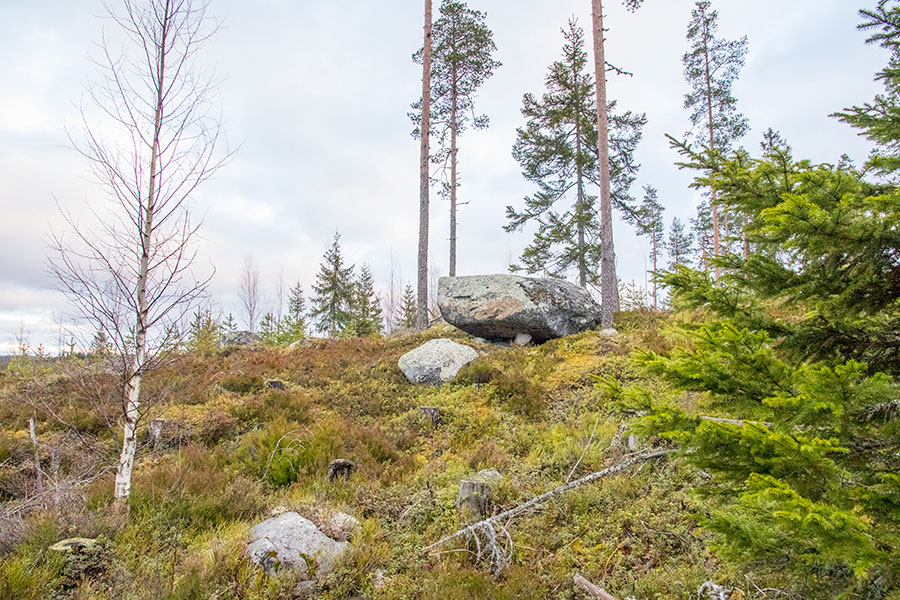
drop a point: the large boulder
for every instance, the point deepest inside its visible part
(435, 362)
(292, 541)
(240, 338)
(501, 307)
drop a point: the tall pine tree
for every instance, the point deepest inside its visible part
(334, 291)
(651, 225)
(609, 284)
(710, 68)
(557, 151)
(680, 245)
(462, 60)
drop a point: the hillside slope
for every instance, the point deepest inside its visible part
(235, 451)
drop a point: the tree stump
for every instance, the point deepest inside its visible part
(474, 501)
(340, 467)
(432, 414)
(162, 432)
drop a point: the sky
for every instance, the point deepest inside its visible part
(314, 97)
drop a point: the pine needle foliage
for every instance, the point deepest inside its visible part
(711, 67)
(680, 244)
(557, 150)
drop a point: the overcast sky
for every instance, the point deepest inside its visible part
(316, 93)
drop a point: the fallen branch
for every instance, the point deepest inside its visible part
(595, 592)
(489, 523)
(739, 422)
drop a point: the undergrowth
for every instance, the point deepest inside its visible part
(534, 414)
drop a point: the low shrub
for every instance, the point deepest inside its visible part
(477, 372)
(516, 392)
(217, 425)
(195, 488)
(242, 384)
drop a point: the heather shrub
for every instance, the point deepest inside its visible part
(240, 383)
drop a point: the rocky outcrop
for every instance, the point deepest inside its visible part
(292, 541)
(436, 362)
(240, 338)
(504, 307)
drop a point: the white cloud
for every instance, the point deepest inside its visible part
(317, 96)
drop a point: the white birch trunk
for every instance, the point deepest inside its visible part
(129, 439)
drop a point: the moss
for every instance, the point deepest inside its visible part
(527, 412)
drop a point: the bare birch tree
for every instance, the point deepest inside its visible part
(249, 293)
(391, 299)
(154, 140)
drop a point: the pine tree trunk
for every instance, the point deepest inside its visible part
(609, 288)
(579, 202)
(746, 240)
(422, 303)
(453, 131)
(655, 253)
(132, 389)
(712, 189)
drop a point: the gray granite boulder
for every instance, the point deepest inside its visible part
(503, 307)
(292, 541)
(240, 338)
(435, 362)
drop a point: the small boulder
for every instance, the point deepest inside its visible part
(292, 541)
(522, 339)
(340, 468)
(436, 362)
(240, 338)
(500, 307)
(432, 414)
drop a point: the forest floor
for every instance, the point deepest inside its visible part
(238, 450)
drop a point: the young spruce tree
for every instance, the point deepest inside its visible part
(462, 60)
(799, 353)
(366, 309)
(334, 291)
(557, 149)
(407, 316)
(294, 321)
(879, 119)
